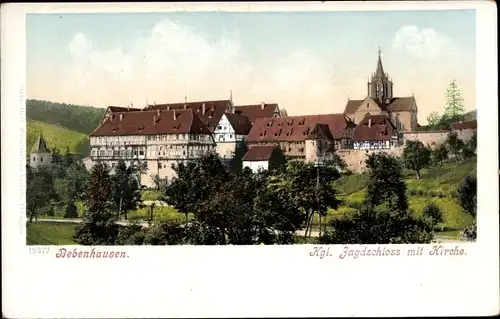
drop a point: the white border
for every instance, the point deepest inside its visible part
(245, 281)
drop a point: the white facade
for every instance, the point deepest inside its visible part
(40, 160)
(374, 145)
(256, 166)
(156, 152)
(226, 138)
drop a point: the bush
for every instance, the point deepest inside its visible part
(470, 233)
(434, 214)
(441, 194)
(433, 194)
(71, 210)
(413, 192)
(130, 235)
(421, 192)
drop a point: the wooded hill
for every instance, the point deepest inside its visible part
(63, 125)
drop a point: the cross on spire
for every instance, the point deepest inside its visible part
(379, 51)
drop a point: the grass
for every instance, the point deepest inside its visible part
(56, 136)
(151, 195)
(159, 213)
(50, 233)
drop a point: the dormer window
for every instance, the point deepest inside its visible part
(278, 133)
(290, 123)
(270, 123)
(302, 122)
(289, 132)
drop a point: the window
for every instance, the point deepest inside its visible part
(101, 153)
(41, 159)
(141, 153)
(176, 136)
(34, 159)
(219, 127)
(230, 136)
(301, 149)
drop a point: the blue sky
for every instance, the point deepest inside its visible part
(308, 62)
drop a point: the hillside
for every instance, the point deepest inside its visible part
(421, 192)
(83, 119)
(57, 137)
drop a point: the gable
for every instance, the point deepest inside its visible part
(369, 105)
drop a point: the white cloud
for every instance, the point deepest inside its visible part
(424, 43)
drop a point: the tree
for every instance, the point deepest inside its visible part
(378, 225)
(454, 101)
(72, 188)
(434, 214)
(126, 194)
(433, 119)
(467, 195)
(311, 188)
(416, 156)
(386, 183)
(39, 191)
(469, 147)
(438, 155)
(194, 183)
(454, 145)
(236, 163)
(98, 226)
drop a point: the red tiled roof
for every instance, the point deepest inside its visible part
(469, 125)
(259, 153)
(254, 112)
(396, 104)
(122, 109)
(297, 128)
(150, 123)
(210, 116)
(240, 123)
(374, 128)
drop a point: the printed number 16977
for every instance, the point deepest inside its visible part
(39, 250)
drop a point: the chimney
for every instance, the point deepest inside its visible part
(158, 112)
(175, 116)
(262, 105)
(185, 106)
(154, 120)
(369, 122)
(121, 117)
(203, 109)
(168, 108)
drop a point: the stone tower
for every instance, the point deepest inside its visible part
(380, 85)
(40, 153)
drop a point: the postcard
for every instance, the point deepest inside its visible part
(250, 159)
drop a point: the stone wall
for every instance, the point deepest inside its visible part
(355, 159)
(427, 138)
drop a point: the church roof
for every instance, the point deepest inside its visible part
(40, 145)
(396, 104)
(380, 69)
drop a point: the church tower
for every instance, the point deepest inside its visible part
(380, 86)
(40, 154)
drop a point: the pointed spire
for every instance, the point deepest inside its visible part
(185, 97)
(40, 145)
(231, 96)
(380, 69)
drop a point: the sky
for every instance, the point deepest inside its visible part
(307, 62)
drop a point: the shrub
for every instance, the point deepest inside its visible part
(433, 194)
(470, 233)
(413, 192)
(421, 192)
(441, 194)
(434, 214)
(130, 235)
